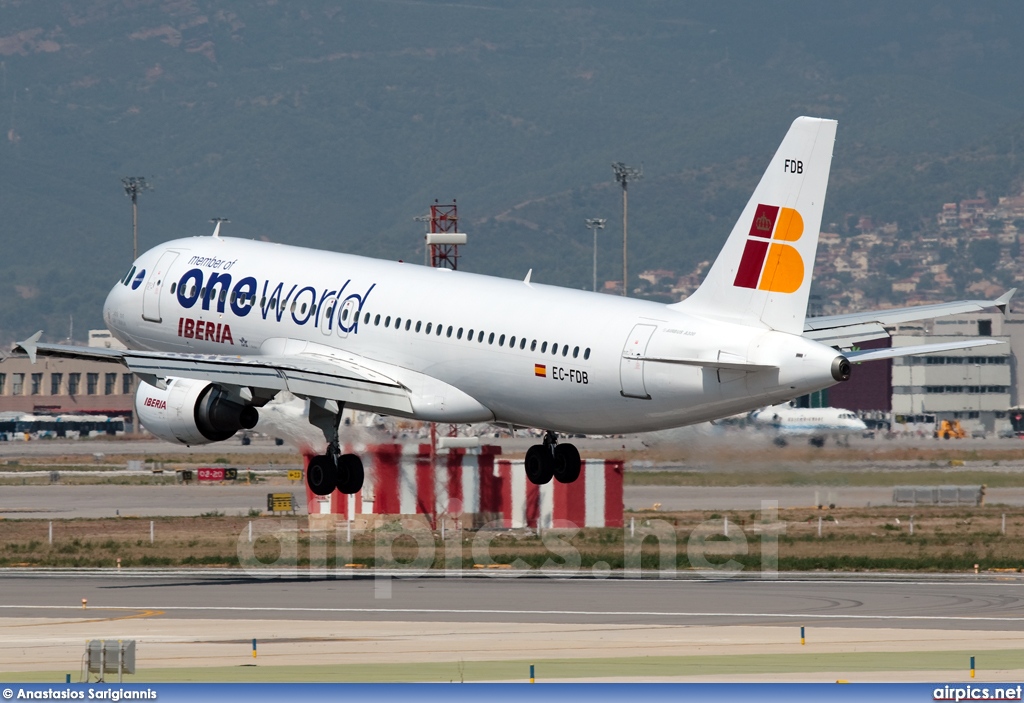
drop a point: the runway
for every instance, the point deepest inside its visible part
(198, 626)
(995, 603)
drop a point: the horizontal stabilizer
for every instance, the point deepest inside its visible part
(891, 353)
(849, 328)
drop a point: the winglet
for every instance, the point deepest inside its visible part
(1004, 300)
(29, 346)
(527, 279)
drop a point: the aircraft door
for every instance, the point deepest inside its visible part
(327, 310)
(631, 367)
(151, 294)
(347, 317)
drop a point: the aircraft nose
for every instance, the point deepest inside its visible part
(110, 305)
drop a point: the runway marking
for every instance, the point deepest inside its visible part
(623, 613)
(652, 578)
(146, 613)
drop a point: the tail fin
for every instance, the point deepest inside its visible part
(763, 274)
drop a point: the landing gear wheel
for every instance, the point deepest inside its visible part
(567, 463)
(350, 473)
(539, 464)
(322, 475)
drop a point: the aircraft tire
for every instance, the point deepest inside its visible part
(322, 475)
(540, 465)
(350, 466)
(567, 463)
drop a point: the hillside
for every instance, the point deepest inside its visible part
(332, 124)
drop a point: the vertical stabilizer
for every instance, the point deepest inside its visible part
(763, 274)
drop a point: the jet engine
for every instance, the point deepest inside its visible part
(191, 412)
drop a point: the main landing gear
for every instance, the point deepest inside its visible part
(552, 460)
(333, 470)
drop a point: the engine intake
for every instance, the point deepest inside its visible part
(219, 418)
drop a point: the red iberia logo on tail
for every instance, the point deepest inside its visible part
(770, 261)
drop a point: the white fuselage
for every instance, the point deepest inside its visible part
(570, 374)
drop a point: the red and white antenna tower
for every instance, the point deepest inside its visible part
(444, 237)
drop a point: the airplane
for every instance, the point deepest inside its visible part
(815, 423)
(216, 327)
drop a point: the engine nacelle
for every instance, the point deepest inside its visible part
(191, 412)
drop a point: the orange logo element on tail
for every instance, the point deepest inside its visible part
(770, 262)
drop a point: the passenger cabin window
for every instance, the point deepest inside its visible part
(501, 341)
(376, 320)
(575, 352)
(480, 337)
(586, 353)
(174, 286)
(544, 348)
(533, 345)
(458, 335)
(490, 338)
(366, 319)
(449, 331)
(429, 326)
(408, 324)
(565, 350)
(418, 325)
(387, 320)
(512, 343)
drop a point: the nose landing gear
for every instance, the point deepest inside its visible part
(552, 460)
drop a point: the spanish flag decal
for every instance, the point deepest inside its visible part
(540, 370)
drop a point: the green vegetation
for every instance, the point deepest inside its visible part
(325, 124)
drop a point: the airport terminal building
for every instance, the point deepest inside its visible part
(976, 387)
(68, 386)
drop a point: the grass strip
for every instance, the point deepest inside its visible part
(724, 665)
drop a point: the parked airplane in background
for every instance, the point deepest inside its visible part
(817, 424)
(216, 327)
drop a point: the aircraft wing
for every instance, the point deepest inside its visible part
(342, 378)
(846, 330)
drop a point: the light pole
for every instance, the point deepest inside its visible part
(425, 219)
(595, 223)
(624, 174)
(133, 185)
